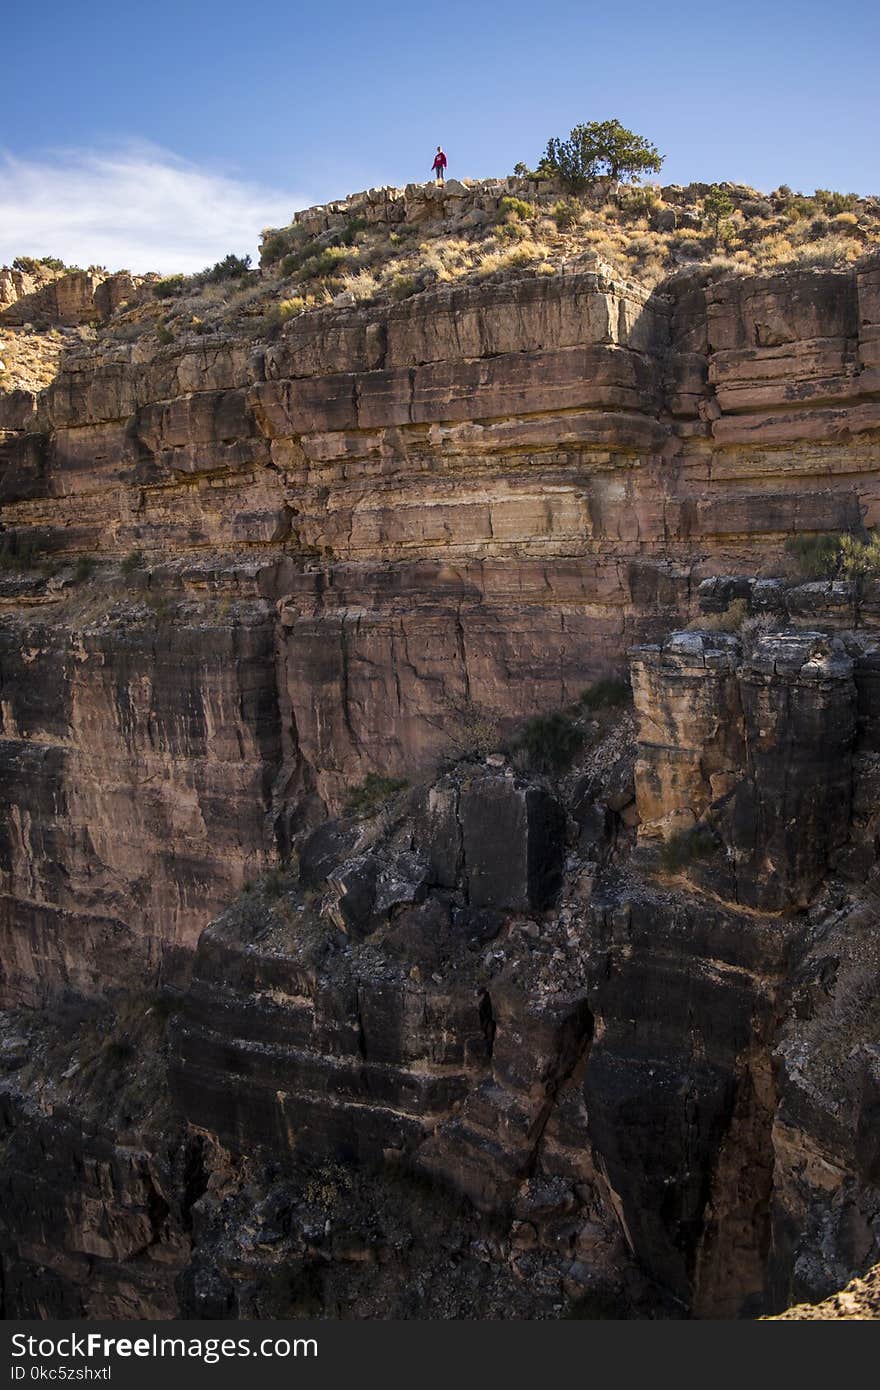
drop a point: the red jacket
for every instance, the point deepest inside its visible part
(439, 160)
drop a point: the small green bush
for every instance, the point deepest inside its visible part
(83, 568)
(292, 262)
(291, 308)
(833, 203)
(331, 259)
(281, 244)
(164, 335)
(29, 264)
(402, 287)
(798, 207)
(564, 214)
(608, 693)
(516, 208)
(816, 556)
(373, 793)
(273, 249)
(638, 202)
(169, 287)
(230, 268)
(133, 561)
(350, 232)
(687, 847)
(550, 742)
(859, 559)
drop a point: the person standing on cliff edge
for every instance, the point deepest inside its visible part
(439, 165)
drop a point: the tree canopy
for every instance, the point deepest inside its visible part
(599, 149)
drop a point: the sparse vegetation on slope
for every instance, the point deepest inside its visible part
(646, 233)
(533, 224)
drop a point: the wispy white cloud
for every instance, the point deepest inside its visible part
(137, 207)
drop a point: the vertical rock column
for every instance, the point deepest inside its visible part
(790, 814)
(687, 702)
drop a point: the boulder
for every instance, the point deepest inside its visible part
(514, 843)
(351, 895)
(323, 848)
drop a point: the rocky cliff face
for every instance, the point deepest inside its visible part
(620, 1013)
(53, 298)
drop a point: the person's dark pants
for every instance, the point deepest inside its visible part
(438, 174)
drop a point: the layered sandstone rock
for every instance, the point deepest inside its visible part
(47, 298)
(472, 501)
(137, 765)
(380, 541)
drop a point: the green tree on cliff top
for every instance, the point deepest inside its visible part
(596, 150)
(717, 204)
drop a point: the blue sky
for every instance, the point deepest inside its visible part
(166, 134)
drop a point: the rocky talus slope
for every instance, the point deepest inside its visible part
(327, 993)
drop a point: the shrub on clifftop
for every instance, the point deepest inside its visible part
(169, 287)
(29, 264)
(230, 268)
(717, 205)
